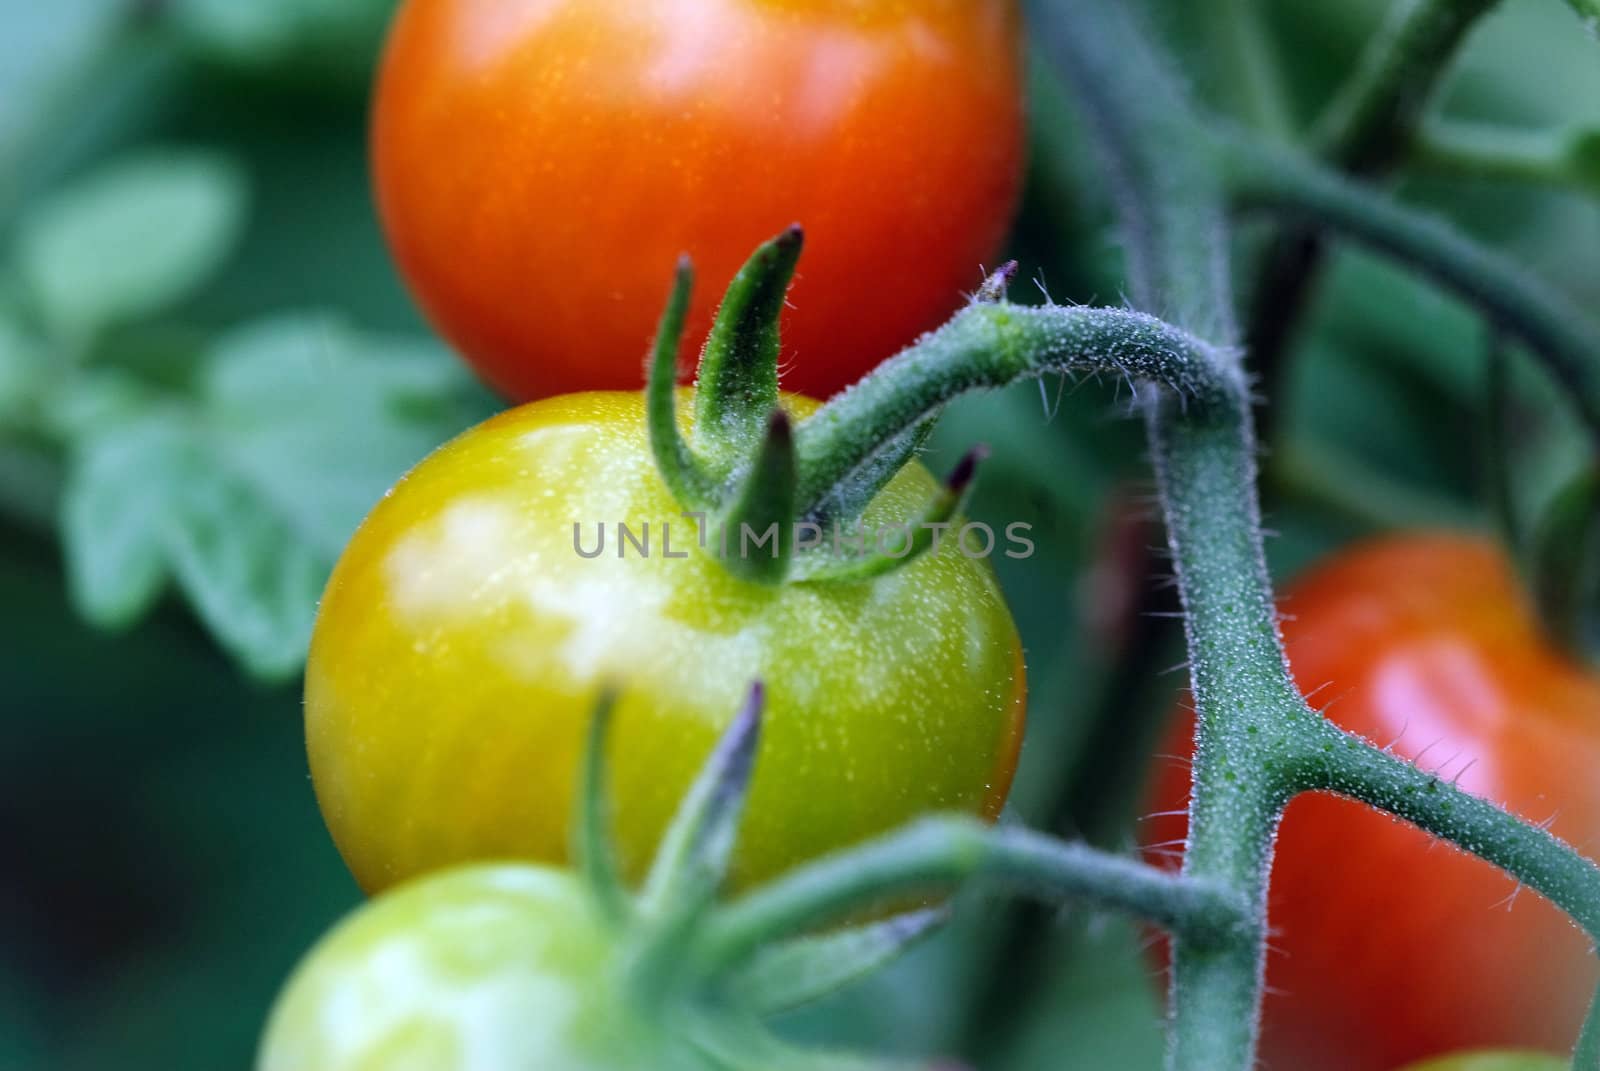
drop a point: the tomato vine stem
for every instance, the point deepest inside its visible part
(949, 850)
(1369, 121)
(1367, 126)
(991, 345)
(1553, 327)
(1255, 734)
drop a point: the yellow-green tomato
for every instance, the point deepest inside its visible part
(1494, 1061)
(495, 968)
(464, 636)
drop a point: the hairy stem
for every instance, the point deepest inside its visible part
(991, 345)
(1174, 216)
(1587, 1054)
(1205, 465)
(1335, 761)
(945, 851)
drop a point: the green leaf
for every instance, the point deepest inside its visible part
(131, 240)
(22, 372)
(805, 969)
(244, 495)
(320, 419)
(260, 34)
(43, 46)
(251, 581)
(1589, 12)
(113, 513)
(78, 408)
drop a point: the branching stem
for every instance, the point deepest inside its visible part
(1556, 330)
(938, 852)
(1369, 121)
(991, 345)
(1328, 759)
(1257, 741)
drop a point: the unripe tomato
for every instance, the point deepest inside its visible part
(1388, 947)
(541, 164)
(463, 639)
(505, 968)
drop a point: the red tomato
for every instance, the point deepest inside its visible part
(1389, 947)
(541, 164)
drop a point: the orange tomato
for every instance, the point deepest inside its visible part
(541, 164)
(1387, 946)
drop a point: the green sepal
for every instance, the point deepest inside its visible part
(922, 534)
(693, 858)
(592, 849)
(692, 861)
(849, 499)
(806, 969)
(756, 532)
(737, 383)
(680, 469)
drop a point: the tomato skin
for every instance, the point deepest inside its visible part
(1386, 947)
(462, 642)
(1494, 1061)
(541, 164)
(504, 968)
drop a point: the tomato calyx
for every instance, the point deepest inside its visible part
(738, 469)
(660, 928)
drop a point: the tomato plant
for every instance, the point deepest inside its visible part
(537, 163)
(463, 636)
(516, 966)
(1387, 951)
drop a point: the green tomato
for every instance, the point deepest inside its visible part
(1494, 1061)
(503, 968)
(463, 638)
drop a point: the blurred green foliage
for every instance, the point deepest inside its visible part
(208, 373)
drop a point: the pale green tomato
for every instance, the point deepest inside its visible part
(504, 968)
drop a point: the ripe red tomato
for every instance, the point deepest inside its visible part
(541, 164)
(1388, 947)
